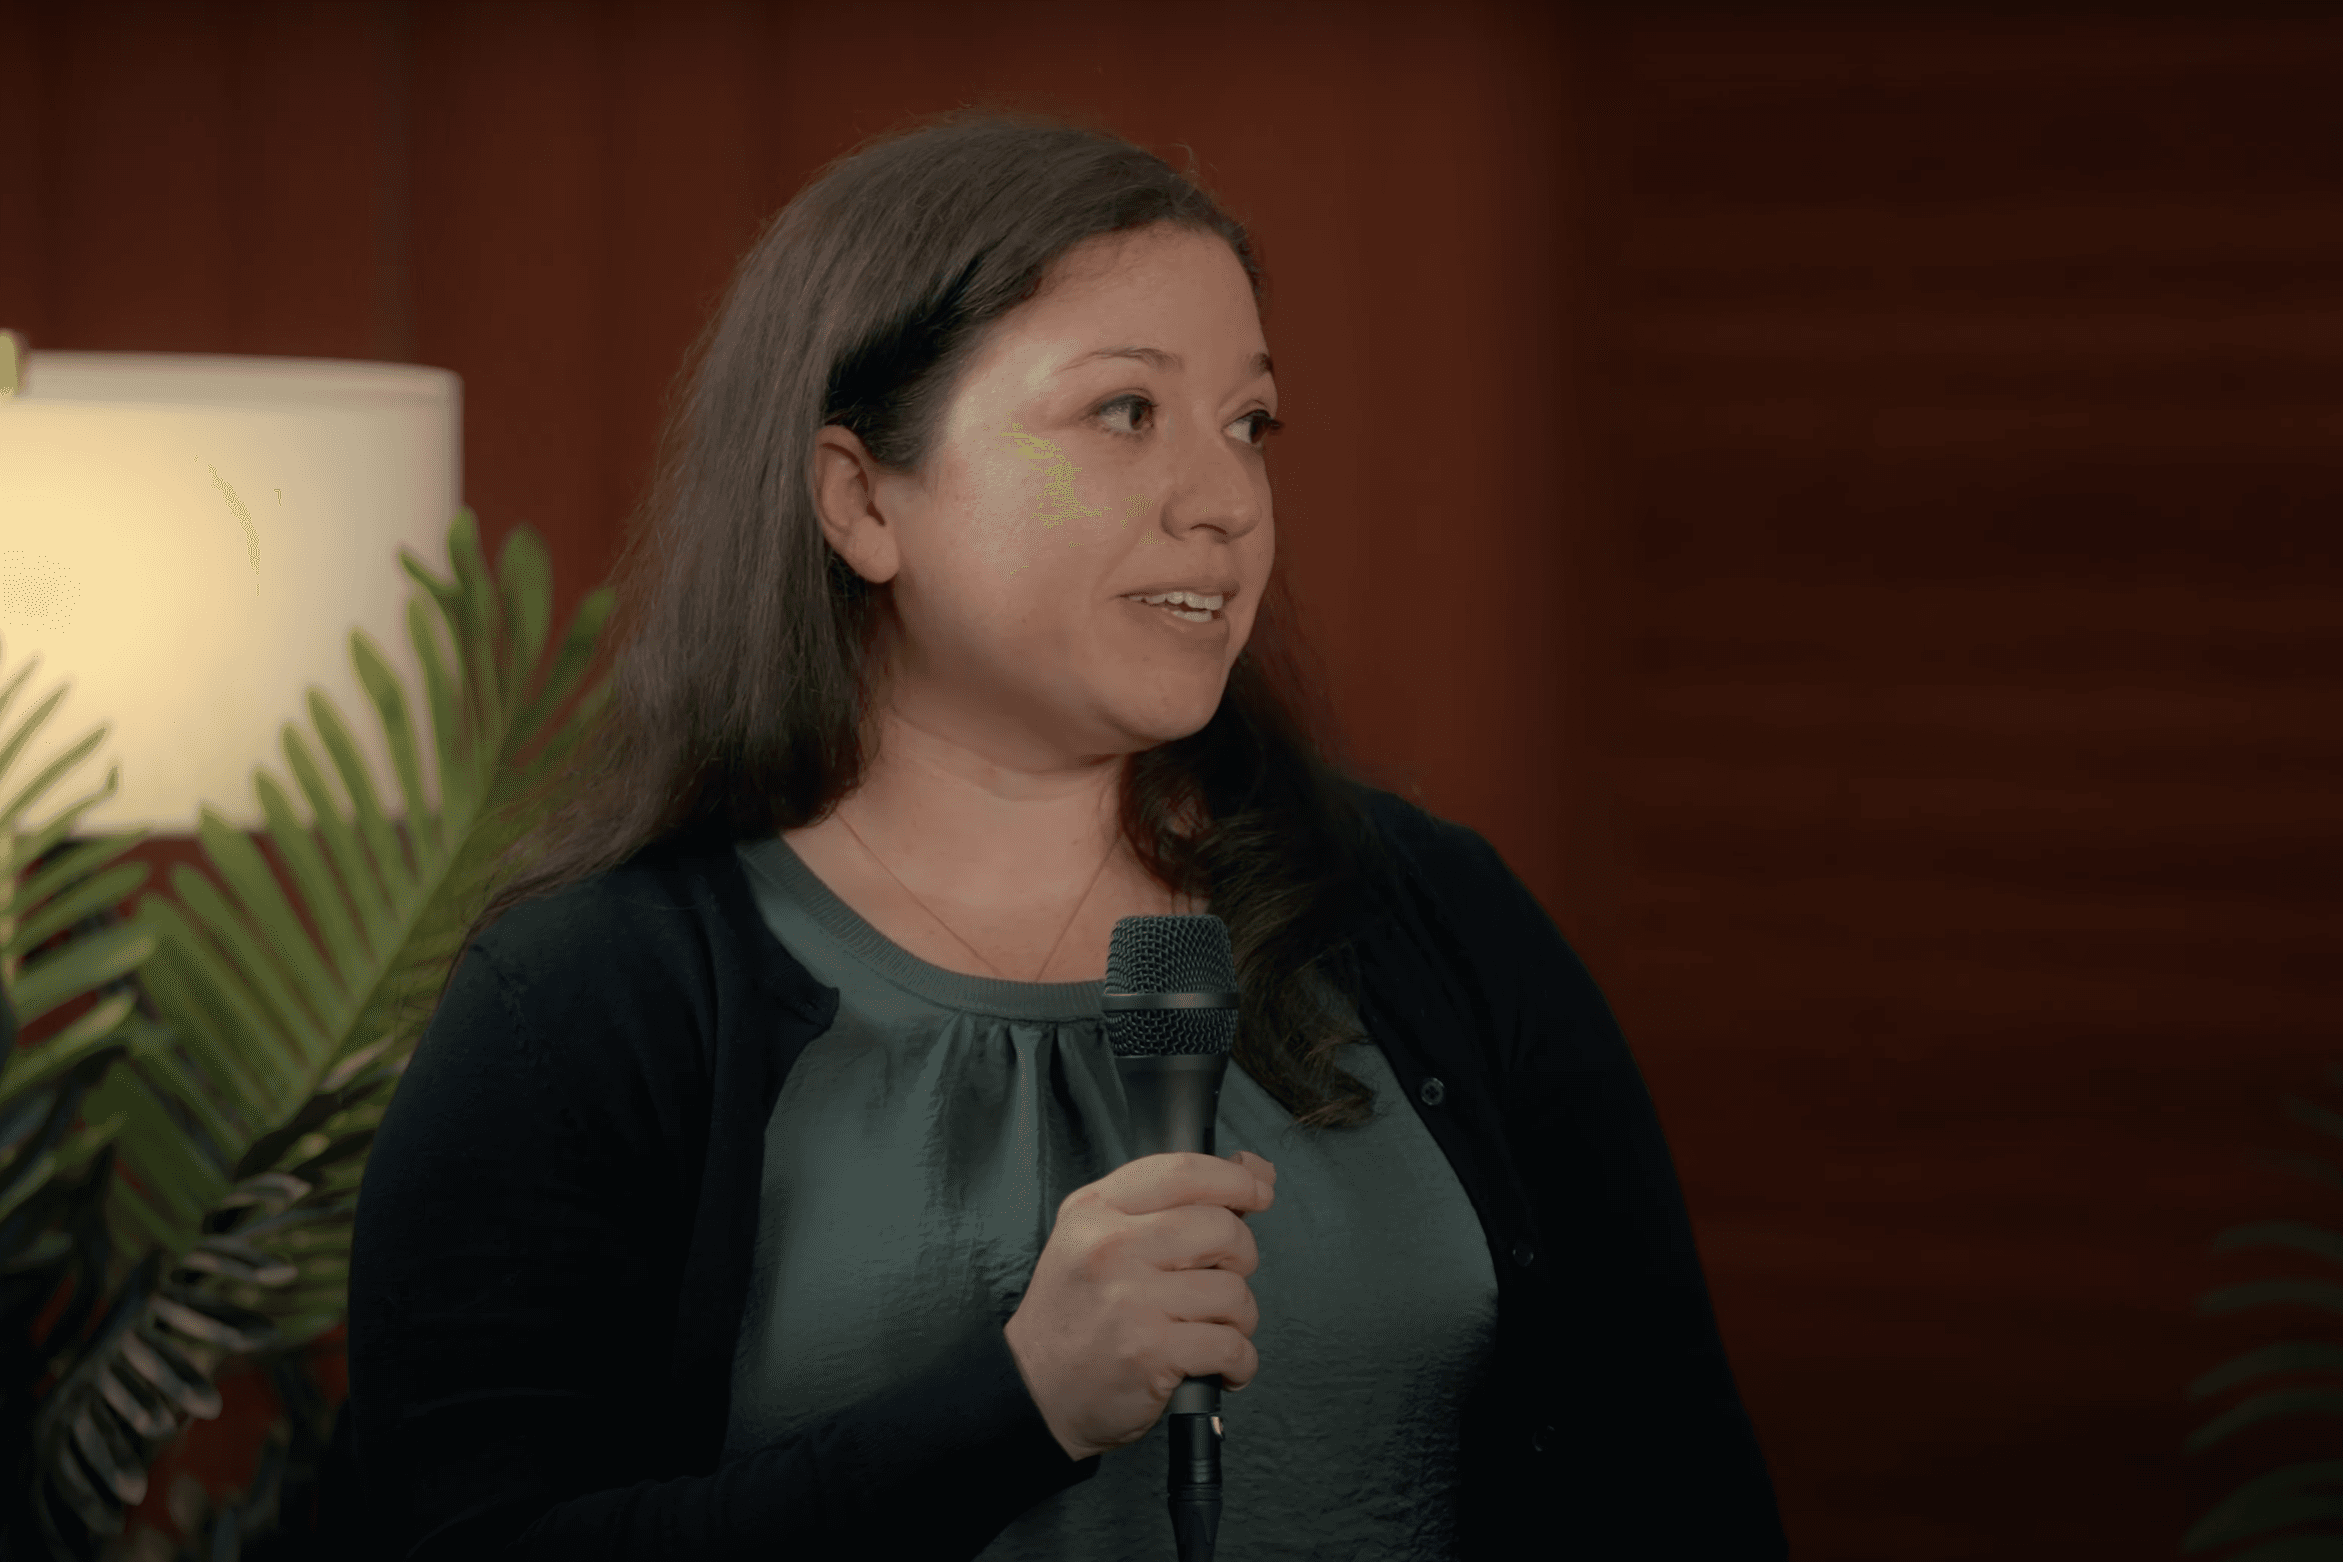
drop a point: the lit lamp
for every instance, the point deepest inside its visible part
(189, 540)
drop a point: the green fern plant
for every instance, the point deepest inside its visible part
(2272, 1510)
(54, 1174)
(245, 1105)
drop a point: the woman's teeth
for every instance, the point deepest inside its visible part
(1186, 604)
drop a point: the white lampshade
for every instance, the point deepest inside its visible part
(189, 539)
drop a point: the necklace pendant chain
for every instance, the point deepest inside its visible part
(1095, 876)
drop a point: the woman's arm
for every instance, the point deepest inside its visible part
(1649, 1425)
(521, 1232)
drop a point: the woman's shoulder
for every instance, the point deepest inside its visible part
(1419, 842)
(1454, 866)
(658, 911)
(1497, 925)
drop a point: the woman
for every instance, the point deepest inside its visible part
(757, 1187)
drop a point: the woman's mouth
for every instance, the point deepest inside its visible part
(1196, 609)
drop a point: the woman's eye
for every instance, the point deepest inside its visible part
(1263, 426)
(1138, 407)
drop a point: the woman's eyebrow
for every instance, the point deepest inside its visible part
(1158, 358)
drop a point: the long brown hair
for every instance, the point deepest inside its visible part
(738, 692)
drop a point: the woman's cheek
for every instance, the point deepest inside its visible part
(1075, 505)
(1008, 512)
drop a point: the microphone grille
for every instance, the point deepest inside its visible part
(1170, 955)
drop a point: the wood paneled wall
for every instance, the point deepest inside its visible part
(1972, 391)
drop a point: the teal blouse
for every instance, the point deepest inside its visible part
(913, 1166)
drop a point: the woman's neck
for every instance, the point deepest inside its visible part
(984, 869)
(962, 817)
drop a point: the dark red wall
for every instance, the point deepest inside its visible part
(1839, 498)
(1972, 393)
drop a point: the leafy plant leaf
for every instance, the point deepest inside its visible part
(2303, 1237)
(2264, 1407)
(2325, 1295)
(2289, 1356)
(249, 1104)
(2297, 1494)
(2313, 1115)
(2309, 1166)
(2296, 1548)
(54, 1165)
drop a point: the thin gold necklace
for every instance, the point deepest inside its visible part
(947, 927)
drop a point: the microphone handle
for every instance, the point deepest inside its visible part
(1174, 1102)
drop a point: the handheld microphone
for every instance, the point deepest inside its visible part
(1171, 1017)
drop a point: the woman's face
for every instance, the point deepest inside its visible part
(1105, 442)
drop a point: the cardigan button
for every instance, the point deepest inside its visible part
(1541, 1439)
(1524, 1254)
(1432, 1092)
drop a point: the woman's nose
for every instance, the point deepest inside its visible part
(1217, 484)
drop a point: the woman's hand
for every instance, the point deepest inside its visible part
(1142, 1284)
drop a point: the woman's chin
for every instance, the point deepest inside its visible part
(1171, 720)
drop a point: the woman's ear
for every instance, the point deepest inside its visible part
(846, 494)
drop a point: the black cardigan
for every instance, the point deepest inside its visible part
(553, 1242)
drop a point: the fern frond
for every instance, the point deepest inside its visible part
(247, 1132)
(2290, 1356)
(2299, 1235)
(55, 770)
(2265, 1407)
(2325, 1295)
(2296, 1548)
(2297, 1494)
(2312, 1115)
(2310, 1166)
